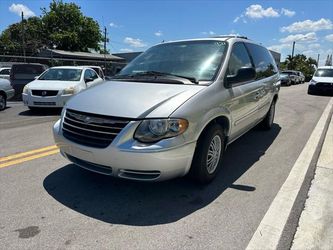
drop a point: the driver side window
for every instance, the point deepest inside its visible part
(239, 58)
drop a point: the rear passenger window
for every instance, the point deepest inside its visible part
(263, 61)
(239, 58)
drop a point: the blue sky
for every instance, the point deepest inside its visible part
(136, 25)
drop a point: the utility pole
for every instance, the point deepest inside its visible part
(23, 40)
(318, 60)
(292, 55)
(104, 49)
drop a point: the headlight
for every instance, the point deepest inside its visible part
(313, 82)
(26, 90)
(69, 91)
(158, 129)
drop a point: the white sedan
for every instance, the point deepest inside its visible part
(57, 84)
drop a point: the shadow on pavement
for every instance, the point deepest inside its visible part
(136, 203)
(41, 112)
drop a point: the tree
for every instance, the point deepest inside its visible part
(63, 26)
(328, 60)
(11, 38)
(68, 29)
(301, 63)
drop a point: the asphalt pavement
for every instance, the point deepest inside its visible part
(48, 203)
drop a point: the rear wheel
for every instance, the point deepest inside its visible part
(208, 154)
(268, 121)
(3, 101)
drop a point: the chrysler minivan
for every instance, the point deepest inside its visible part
(171, 111)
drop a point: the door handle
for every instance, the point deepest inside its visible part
(257, 95)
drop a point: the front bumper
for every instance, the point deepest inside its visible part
(57, 101)
(10, 94)
(123, 158)
(321, 88)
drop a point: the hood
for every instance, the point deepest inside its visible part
(322, 79)
(51, 85)
(133, 99)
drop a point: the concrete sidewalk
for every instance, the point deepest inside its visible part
(315, 229)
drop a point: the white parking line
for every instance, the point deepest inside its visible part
(270, 229)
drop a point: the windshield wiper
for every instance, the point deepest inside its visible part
(157, 74)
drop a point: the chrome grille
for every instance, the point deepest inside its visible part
(91, 129)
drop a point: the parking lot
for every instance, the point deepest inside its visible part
(46, 202)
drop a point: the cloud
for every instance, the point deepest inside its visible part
(134, 42)
(126, 50)
(158, 33)
(256, 11)
(279, 47)
(211, 33)
(19, 8)
(314, 46)
(113, 25)
(300, 37)
(309, 25)
(287, 12)
(329, 38)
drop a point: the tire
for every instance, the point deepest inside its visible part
(3, 102)
(268, 121)
(205, 166)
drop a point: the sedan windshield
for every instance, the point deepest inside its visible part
(61, 75)
(191, 60)
(324, 73)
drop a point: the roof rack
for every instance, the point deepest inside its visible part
(230, 36)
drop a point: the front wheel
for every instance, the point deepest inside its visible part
(3, 102)
(208, 154)
(268, 121)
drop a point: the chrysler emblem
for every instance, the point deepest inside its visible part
(87, 119)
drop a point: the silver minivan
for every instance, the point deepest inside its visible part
(172, 111)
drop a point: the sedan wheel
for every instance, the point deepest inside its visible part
(2, 102)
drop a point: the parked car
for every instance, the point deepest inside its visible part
(301, 77)
(6, 92)
(98, 70)
(22, 74)
(285, 79)
(322, 81)
(293, 75)
(171, 111)
(5, 72)
(56, 85)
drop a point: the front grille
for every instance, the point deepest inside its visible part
(91, 130)
(45, 103)
(44, 92)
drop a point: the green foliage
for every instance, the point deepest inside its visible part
(11, 38)
(301, 63)
(63, 26)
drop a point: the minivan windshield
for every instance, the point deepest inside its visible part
(61, 75)
(324, 73)
(199, 60)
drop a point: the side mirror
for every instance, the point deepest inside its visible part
(243, 75)
(88, 79)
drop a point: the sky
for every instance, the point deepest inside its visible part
(135, 25)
